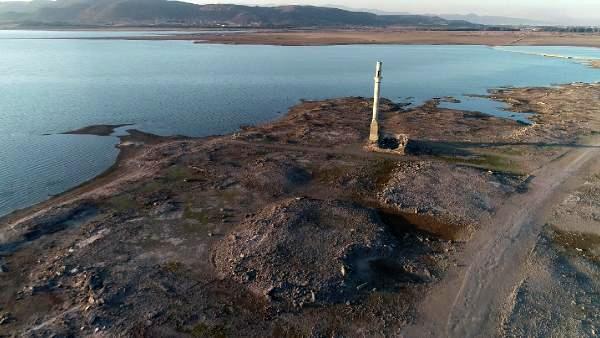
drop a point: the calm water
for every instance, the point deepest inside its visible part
(576, 53)
(58, 34)
(170, 87)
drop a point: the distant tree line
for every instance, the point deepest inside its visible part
(573, 29)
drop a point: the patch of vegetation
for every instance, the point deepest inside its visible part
(204, 330)
(487, 162)
(513, 151)
(150, 187)
(330, 174)
(286, 330)
(202, 217)
(228, 197)
(149, 243)
(382, 171)
(122, 203)
(174, 267)
(577, 243)
(178, 173)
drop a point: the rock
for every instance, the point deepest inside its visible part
(95, 282)
(4, 317)
(360, 287)
(290, 249)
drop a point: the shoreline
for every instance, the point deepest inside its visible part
(129, 149)
(135, 141)
(399, 37)
(97, 130)
(174, 220)
(331, 37)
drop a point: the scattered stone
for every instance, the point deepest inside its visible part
(5, 317)
(280, 246)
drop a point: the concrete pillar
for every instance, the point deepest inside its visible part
(374, 135)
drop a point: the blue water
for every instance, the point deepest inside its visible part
(581, 53)
(174, 87)
(87, 34)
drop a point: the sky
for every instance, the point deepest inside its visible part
(585, 12)
(582, 11)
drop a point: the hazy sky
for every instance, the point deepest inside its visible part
(583, 11)
(547, 10)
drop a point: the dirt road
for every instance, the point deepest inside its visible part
(471, 300)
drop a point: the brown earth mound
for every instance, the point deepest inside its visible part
(304, 251)
(456, 196)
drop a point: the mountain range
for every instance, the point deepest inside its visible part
(177, 13)
(488, 20)
(496, 20)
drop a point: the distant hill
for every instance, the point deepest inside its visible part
(495, 20)
(174, 13)
(473, 18)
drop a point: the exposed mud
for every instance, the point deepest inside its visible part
(430, 188)
(98, 130)
(166, 243)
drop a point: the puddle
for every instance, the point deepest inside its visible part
(486, 106)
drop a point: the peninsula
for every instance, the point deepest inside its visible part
(295, 228)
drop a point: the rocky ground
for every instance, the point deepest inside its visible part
(292, 228)
(559, 293)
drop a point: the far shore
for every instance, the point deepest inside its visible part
(327, 37)
(405, 37)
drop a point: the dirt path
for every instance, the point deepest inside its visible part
(470, 301)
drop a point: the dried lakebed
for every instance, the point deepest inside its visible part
(290, 228)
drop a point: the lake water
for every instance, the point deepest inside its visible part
(175, 87)
(88, 34)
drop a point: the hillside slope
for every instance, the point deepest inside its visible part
(163, 12)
